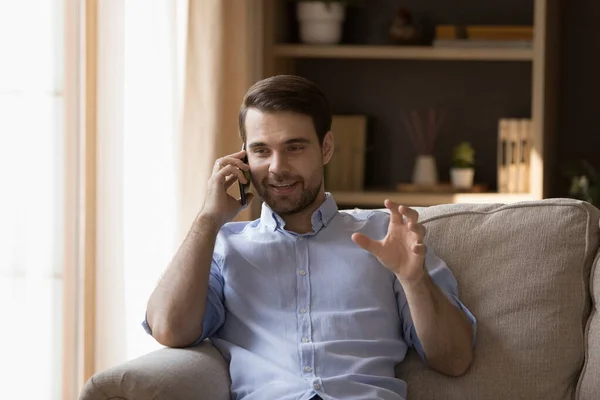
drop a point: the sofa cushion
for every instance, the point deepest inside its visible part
(523, 270)
(589, 384)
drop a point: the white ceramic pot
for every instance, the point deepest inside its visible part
(425, 172)
(462, 178)
(320, 23)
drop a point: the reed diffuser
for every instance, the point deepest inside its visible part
(423, 130)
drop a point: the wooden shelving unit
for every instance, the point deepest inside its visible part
(401, 53)
(281, 57)
(373, 198)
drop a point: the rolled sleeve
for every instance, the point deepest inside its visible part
(214, 314)
(445, 280)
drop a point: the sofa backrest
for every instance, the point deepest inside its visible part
(524, 271)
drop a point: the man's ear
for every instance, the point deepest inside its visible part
(328, 147)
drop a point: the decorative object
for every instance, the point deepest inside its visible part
(425, 171)
(321, 21)
(345, 170)
(585, 183)
(404, 30)
(463, 166)
(423, 133)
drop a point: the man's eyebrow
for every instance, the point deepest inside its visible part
(289, 141)
(297, 140)
(257, 144)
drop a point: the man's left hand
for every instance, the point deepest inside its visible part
(402, 250)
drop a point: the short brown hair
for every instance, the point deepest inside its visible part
(288, 93)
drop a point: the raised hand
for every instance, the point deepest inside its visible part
(402, 250)
(218, 204)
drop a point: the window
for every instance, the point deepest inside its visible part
(32, 181)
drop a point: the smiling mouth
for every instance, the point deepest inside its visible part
(283, 185)
(284, 188)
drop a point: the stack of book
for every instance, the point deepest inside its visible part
(514, 155)
(486, 36)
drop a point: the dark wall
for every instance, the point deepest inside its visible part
(579, 106)
(474, 94)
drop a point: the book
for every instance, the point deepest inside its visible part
(524, 150)
(449, 32)
(502, 156)
(484, 32)
(485, 44)
(514, 155)
(500, 32)
(345, 170)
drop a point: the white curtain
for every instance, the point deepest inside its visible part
(140, 59)
(32, 174)
(172, 74)
(154, 149)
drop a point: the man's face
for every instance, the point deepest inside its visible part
(286, 159)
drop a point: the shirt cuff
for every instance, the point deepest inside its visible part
(458, 304)
(146, 326)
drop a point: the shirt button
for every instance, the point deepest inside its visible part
(307, 368)
(305, 340)
(316, 386)
(302, 310)
(300, 238)
(302, 272)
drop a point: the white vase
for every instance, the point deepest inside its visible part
(320, 23)
(425, 172)
(462, 178)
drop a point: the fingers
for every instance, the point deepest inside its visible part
(366, 243)
(231, 160)
(417, 228)
(402, 214)
(230, 180)
(419, 249)
(230, 170)
(410, 214)
(397, 212)
(395, 216)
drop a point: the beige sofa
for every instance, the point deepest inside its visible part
(528, 272)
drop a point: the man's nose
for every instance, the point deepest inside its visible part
(279, 164)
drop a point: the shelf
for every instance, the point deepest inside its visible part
(426, 199)
(399, 52)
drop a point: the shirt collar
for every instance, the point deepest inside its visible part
(319, 218)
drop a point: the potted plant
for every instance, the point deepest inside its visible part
(463, 166)
(321, 21)
(585, 183)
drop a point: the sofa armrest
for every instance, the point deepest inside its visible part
(197, 373)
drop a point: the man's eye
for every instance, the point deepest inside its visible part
(296, 148)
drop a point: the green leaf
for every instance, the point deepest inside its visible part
(463, 156)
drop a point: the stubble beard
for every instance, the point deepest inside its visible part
(285, 205)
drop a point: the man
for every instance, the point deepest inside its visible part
(306, 302)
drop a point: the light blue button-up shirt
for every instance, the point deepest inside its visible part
(300, 315)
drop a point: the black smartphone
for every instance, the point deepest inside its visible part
(244, 187)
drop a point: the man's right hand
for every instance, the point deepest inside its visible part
(219, 205)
